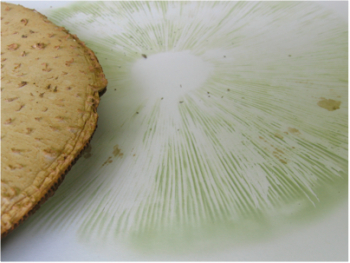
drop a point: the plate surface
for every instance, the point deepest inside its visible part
(223, 136)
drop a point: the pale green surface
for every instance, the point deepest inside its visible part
(219, 128)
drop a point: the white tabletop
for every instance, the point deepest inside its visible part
(211, 140)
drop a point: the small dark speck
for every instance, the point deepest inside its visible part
(222, 96)
(228, 89)
(51, 6)
(115, 89)
(289, 55)
(161, 98)
(224, 56)
(208, 92)
(181, 101)
(180, 86)
(144, 55)
(137, 112)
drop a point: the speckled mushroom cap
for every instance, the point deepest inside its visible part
(50, 84)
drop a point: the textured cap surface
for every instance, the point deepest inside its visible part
(50, 84)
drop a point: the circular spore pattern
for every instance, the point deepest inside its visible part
(215, 112)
